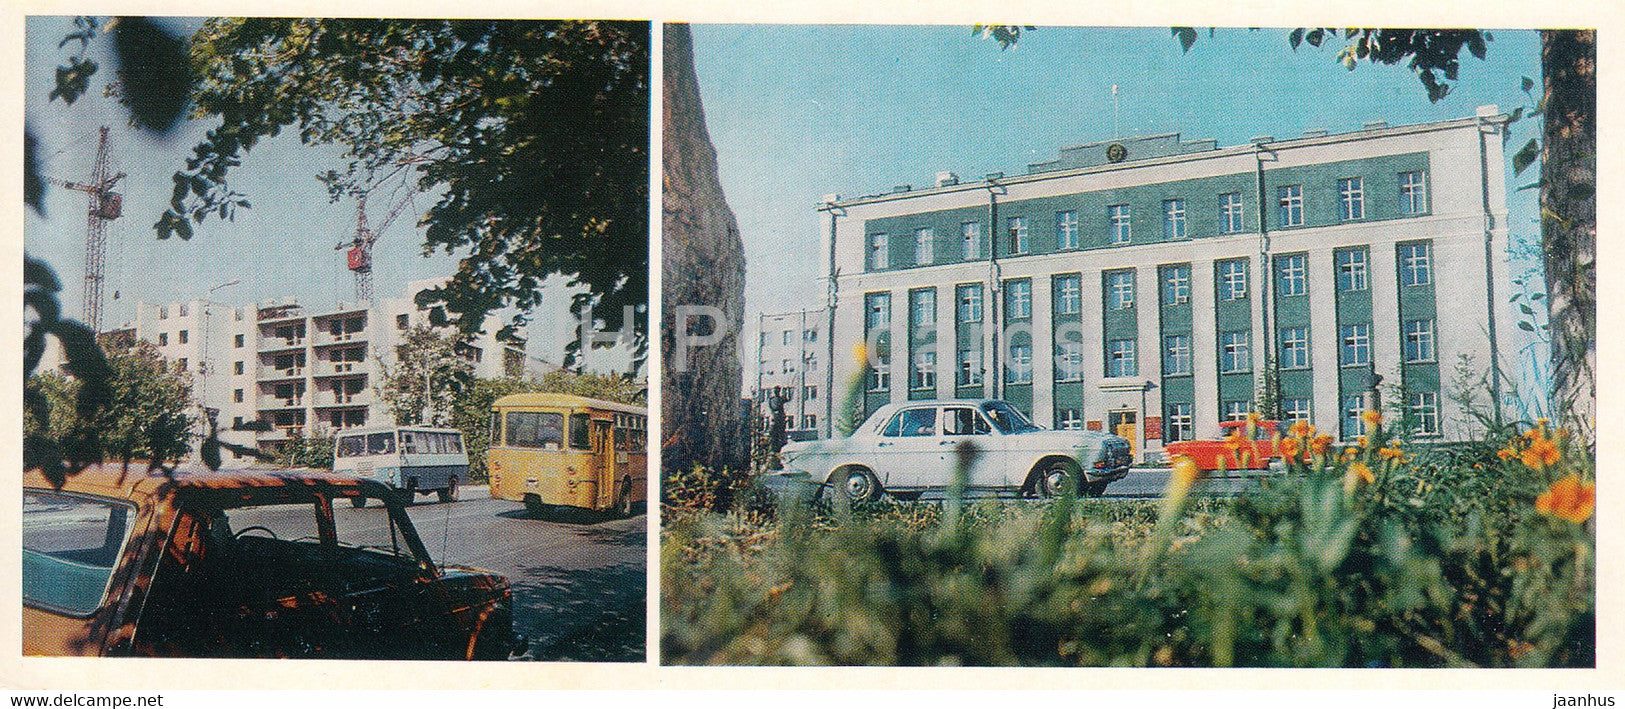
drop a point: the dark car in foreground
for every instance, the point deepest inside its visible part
(243, 564)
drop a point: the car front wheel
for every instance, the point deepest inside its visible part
(859, 485)
(1055, 477)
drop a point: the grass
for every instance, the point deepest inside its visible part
(1370, 557)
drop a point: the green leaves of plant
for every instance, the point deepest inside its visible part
(1525, 156)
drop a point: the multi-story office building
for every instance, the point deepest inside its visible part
(1163, 279)
(791, 364)
(292, 368)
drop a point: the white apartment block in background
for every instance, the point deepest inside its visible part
(296, 369)
(791, 363)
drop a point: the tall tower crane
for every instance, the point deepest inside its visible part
(105, 206)
(359, 256)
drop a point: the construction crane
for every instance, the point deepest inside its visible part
(359, 256)
(105, 206)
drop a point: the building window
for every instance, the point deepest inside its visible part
(970, 236)
(1120, 290)
(1176, 284)
(1176, 355)
(1018, 234)
(922, 307)
(1020, 368)
(163, 339)
(163, 312)
(970, 302)
(925, 370)
(878, 251)
(1353, 406)
(1351, 198)
(761, 340)
(1290, 200)
(237, 396)
(812, 362)
(1233, 279)
(1351, 270)
(1235, 351)
(1069, 361)
(182, 309)
(970, 367)
(809, 393)
(182, 364)
(1237, 410)
(784, 338)
(787, 366)
(183, 337)
(237, 341)
(1424, 412)
(1292, 270)
(1066, 230)
(1295, 410)
(1120, 359)
(1018, 300)
(1068, 294)
(1173, 219)
(1179, 426)
(809, 421)
(879, 311)
(236, 367)
(1415, 264)
(880, 376)
(1356, 345)
(924, 246)
(1069, 419)
(1230, 213)
(1413, 195)
(1117, 217)
(809, 335)
(1294, 347)
(402, 321)
(1419, 341)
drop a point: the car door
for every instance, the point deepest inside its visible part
(962, 424)
(909, 450)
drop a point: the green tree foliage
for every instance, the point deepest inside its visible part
(535, 135)
(609, 387)
(428, 377)
(143, 415)
(313, 451)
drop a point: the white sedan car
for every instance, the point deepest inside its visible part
(905, 449)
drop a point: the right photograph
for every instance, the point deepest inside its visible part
(1022, 345)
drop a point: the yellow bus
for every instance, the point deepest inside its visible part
(561, 450)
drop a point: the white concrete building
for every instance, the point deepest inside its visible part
(296, 369)
(791, 360)
(1161, 277)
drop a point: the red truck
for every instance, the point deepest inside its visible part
(1234, 449)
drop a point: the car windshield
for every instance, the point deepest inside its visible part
(1006, 418)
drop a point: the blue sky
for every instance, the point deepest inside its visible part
(801, 111)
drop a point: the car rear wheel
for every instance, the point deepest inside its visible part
(1055, 476)
(449, 492)
(858, 485)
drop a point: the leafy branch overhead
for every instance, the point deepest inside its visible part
(534, 135)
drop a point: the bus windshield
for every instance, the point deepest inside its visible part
(381, 443)
(352, 446)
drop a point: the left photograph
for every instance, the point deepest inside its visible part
(336, 338)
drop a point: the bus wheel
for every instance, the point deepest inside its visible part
(449, 492)
(623, 501)
(358, 502)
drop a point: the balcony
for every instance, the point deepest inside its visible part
(282, 433)
(334, 369)
(267, 374)
(269, 402)
(278, 344)
(332, 398)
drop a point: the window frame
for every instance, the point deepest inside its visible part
(878, 255)
(1122, 358)
(1289, 205)
(1232, 213)
(1421, 339)
(1354, 339)
(1016, 230)
(1235, 356)
(1066, 229)
(1120, 224)
(1177, 360)
(925, 246)
(1174, 223)
(1120, 289)
(1299, 346)
(1292, 270)
(1353, 274)
(1351, 198)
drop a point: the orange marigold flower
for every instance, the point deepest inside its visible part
(1371, 417)
(1357, 473)
(1302, 429)
(1320, 443)
(1541, 454)
(1289, 448)
(1391, 453)
(1569, 499)
(1506, 454)
(1349, 453)
(1362, 441)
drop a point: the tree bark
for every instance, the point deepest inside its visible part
(1569, 221)
(703, 264)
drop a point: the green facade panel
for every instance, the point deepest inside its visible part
(1236, 387)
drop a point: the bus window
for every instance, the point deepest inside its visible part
(535, 429)
(410, 442)
(579, 437)
(352, 446)
(380, 443)
(455, 442)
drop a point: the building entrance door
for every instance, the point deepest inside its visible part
(1126, 424)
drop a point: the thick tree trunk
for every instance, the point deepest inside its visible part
(703, 264)
(1569, 221)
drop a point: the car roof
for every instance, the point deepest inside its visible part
(136, 483)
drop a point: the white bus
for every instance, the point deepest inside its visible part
(410, 459)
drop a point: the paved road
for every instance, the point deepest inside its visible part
(578, 584)
(1150, 482)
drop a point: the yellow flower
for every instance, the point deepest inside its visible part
(1301, 429)
(1569, 499)
(1391, 453)
(1320, 444)
(1362, 441)
(1185, 472)
(1252, 418)
(1372, 418)
(1506, 454)
(1357, 473)
(860, 353)
(1541, 453)
(1289, 448)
